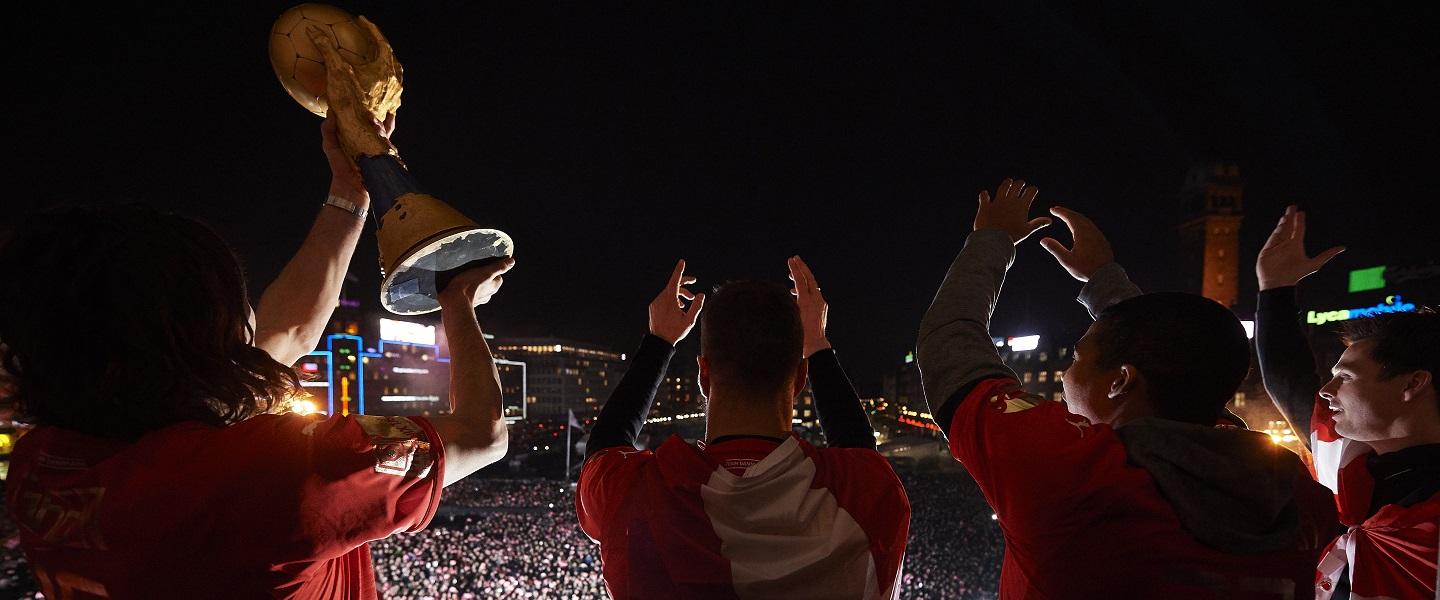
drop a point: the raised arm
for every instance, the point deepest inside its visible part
(474, 432)
(954, 349)
(1286, 363)
(842, 419)
(620, 420)
(294, 309)
(1090, 260)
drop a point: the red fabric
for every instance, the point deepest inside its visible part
(657, 541)
(1079, 522)
(277, 505)
(1391, 554)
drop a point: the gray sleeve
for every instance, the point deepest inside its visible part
(1108, 286)
(954, 349)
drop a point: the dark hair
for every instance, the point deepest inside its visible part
(121, 320)
(1404, 342)
(750, 335)
(1192, 351)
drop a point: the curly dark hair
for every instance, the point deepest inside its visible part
(120, 320)
(1404, 342)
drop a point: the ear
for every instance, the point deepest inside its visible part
(1126, 380)
(802, 371)
(1420, 382)
(704, 366)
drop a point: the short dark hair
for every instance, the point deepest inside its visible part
(750, 335)
(1192, 351)
(1404, 342)
(119, 320)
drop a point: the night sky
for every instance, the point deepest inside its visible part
(609, 142)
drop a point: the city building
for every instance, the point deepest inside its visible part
(564, 375)
(1211, 205)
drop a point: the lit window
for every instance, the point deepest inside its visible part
(1027, 377)
(1044, 376)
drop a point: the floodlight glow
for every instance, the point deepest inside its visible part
(303, 407)
(407, 332)
(1023, 343)
(1249, 329)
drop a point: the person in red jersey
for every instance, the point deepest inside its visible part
(752, 511)
(1139, 485)
(1374, 426)
(164, 462)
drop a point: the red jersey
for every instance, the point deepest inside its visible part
(1080, 520)
(276, 505)
(1391, 554)
(746, 518)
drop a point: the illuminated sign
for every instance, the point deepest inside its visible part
(409, 398)
(909, 357)
(310, 367)
(1364, 280)
(410, 370)
(1023, 343)
(407, 332)
(1392, 304)
(348, 303)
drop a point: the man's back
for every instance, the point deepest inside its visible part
(1155, 509)
(275, 505)
(746, 518)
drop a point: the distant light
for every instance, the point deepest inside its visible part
(877, 434)
(909, 357)
(551, 505)
(1249, 329)
(1023, 343)
(310, 367)
(994, 517)
(622, 356)
(407, 332)
(301, 406)
(1364, 280)
(410, 370)
(557, 347)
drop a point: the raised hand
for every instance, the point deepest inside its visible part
(1009, 211)
(345, 180)
(476, 286)
(1090, 251)
(1283, 262)
(814, 311)
(669, 319)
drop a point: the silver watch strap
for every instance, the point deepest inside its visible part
(345, 205)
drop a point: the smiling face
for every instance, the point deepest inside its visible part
(1368, 406)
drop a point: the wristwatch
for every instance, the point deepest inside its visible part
(345, 205)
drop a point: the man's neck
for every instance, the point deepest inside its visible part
(729, 414)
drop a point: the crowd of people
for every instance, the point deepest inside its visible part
(518, 538)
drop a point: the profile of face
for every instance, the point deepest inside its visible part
(1087, 386)
(1368, 406)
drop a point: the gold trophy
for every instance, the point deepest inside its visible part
(330, 61)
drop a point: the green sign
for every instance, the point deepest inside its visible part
(1364, 280)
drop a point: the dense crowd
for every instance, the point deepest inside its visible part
(506, 538)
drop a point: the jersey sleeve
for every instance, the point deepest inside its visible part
(1035, 462)
(316, 488)
(607, 477)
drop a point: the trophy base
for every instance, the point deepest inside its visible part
(414, 286)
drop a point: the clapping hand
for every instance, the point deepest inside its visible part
(1009, 211)
(814, 311)
(1090, 251)
(670, 320)
(1282, 262)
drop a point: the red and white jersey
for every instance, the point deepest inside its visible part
(745, 518)
(1391, 554)
(275, 506)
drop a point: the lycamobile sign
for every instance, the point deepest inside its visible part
(1392, 304)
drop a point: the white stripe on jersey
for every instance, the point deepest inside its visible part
(784, 539)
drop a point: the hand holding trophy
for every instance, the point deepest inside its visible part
(331, 62)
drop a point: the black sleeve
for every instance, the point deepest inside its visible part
(386, 179)
(624, 413)
(837, 405)
(1286, 364)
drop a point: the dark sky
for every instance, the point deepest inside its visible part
(609, 142)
